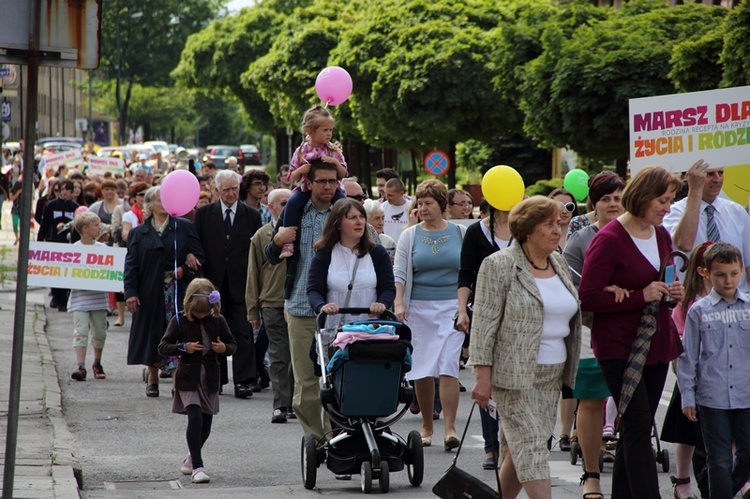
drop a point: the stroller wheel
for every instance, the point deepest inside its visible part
(574, 448)
(309, 461)
(385, 480)
(665, 460)
(415, 463)
(366, 477)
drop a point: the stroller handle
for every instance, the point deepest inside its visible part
(388, 315)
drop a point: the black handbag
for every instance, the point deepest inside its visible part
(459, 484)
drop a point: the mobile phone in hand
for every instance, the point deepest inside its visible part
(669, 274)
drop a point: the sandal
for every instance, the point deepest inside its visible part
(680, 481)
(590, 495)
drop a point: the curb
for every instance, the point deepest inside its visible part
(67, 474)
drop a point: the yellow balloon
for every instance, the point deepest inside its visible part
(502, 187)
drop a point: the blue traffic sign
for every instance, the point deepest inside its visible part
(6, 110)
(437, 163)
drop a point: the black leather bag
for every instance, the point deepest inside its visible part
(459, 484)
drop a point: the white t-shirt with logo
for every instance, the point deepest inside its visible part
(396, 219)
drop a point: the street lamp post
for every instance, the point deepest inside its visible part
(120, 129)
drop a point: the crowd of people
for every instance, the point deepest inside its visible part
(554, 310)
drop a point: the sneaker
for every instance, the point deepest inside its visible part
(564, 443)
(279, 416)
(199, 476)
(608, 433)
(79, 374)
(186, 468)
(98, 371)
(286, 251)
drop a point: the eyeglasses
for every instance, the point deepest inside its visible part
(323, 181)
(464, 204)
(358, 197)
(569, 207)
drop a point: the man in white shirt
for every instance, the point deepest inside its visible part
(703, 213)
(395, 208)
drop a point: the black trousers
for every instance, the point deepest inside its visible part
(634, 474)
(244, 368)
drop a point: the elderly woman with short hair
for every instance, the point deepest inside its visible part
(525, 342)
(426, 269)
(152, 287)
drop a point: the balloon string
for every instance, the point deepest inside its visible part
(176, 289)
(325, 106)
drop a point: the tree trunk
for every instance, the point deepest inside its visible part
(621, 167)
(452, 168)
(125, 104)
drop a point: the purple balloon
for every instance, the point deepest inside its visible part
(180, 191)
(333, 85)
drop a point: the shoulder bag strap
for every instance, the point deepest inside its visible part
(349, 288)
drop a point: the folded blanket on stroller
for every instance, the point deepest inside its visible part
(354, 333)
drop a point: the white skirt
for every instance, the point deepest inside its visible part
(437, 346)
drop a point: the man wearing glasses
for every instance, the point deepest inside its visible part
(252, 189)
(225, 228)
(321, 181)
(264, 295)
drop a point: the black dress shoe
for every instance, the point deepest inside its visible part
(254, 386)
(152, 390)
(243, 391)
(264, 383)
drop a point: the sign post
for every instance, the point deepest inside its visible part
(437, 163)
(67, 35)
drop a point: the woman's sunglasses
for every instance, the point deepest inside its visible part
(569, 207)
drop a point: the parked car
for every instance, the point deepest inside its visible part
(159, 146)
(249, 155)
(72, 140)
(218, 154)
(128, 154)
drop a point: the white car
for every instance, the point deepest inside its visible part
(159, 146)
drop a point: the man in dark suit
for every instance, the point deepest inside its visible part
(225, 228)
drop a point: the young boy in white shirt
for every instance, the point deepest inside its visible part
(89, 307)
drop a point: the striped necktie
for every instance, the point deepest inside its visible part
(712, 231)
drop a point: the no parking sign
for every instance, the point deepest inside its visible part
(437, 163)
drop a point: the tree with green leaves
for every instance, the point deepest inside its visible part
(421, 71)
(216, 57)
(576, 93)
(285, 76)
(142, 41)
(737, 47)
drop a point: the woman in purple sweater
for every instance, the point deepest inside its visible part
(627, 253)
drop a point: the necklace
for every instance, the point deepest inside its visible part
(546, 267)
(433, 243)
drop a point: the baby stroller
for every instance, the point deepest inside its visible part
(361, 395)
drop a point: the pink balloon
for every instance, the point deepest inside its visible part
(333, 85)
(180, 191)
(81, 209)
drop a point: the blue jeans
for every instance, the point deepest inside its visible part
(720, 428)
(490, 429)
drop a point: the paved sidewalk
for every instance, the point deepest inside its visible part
(44, 459)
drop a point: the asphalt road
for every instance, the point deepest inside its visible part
(131, 446)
